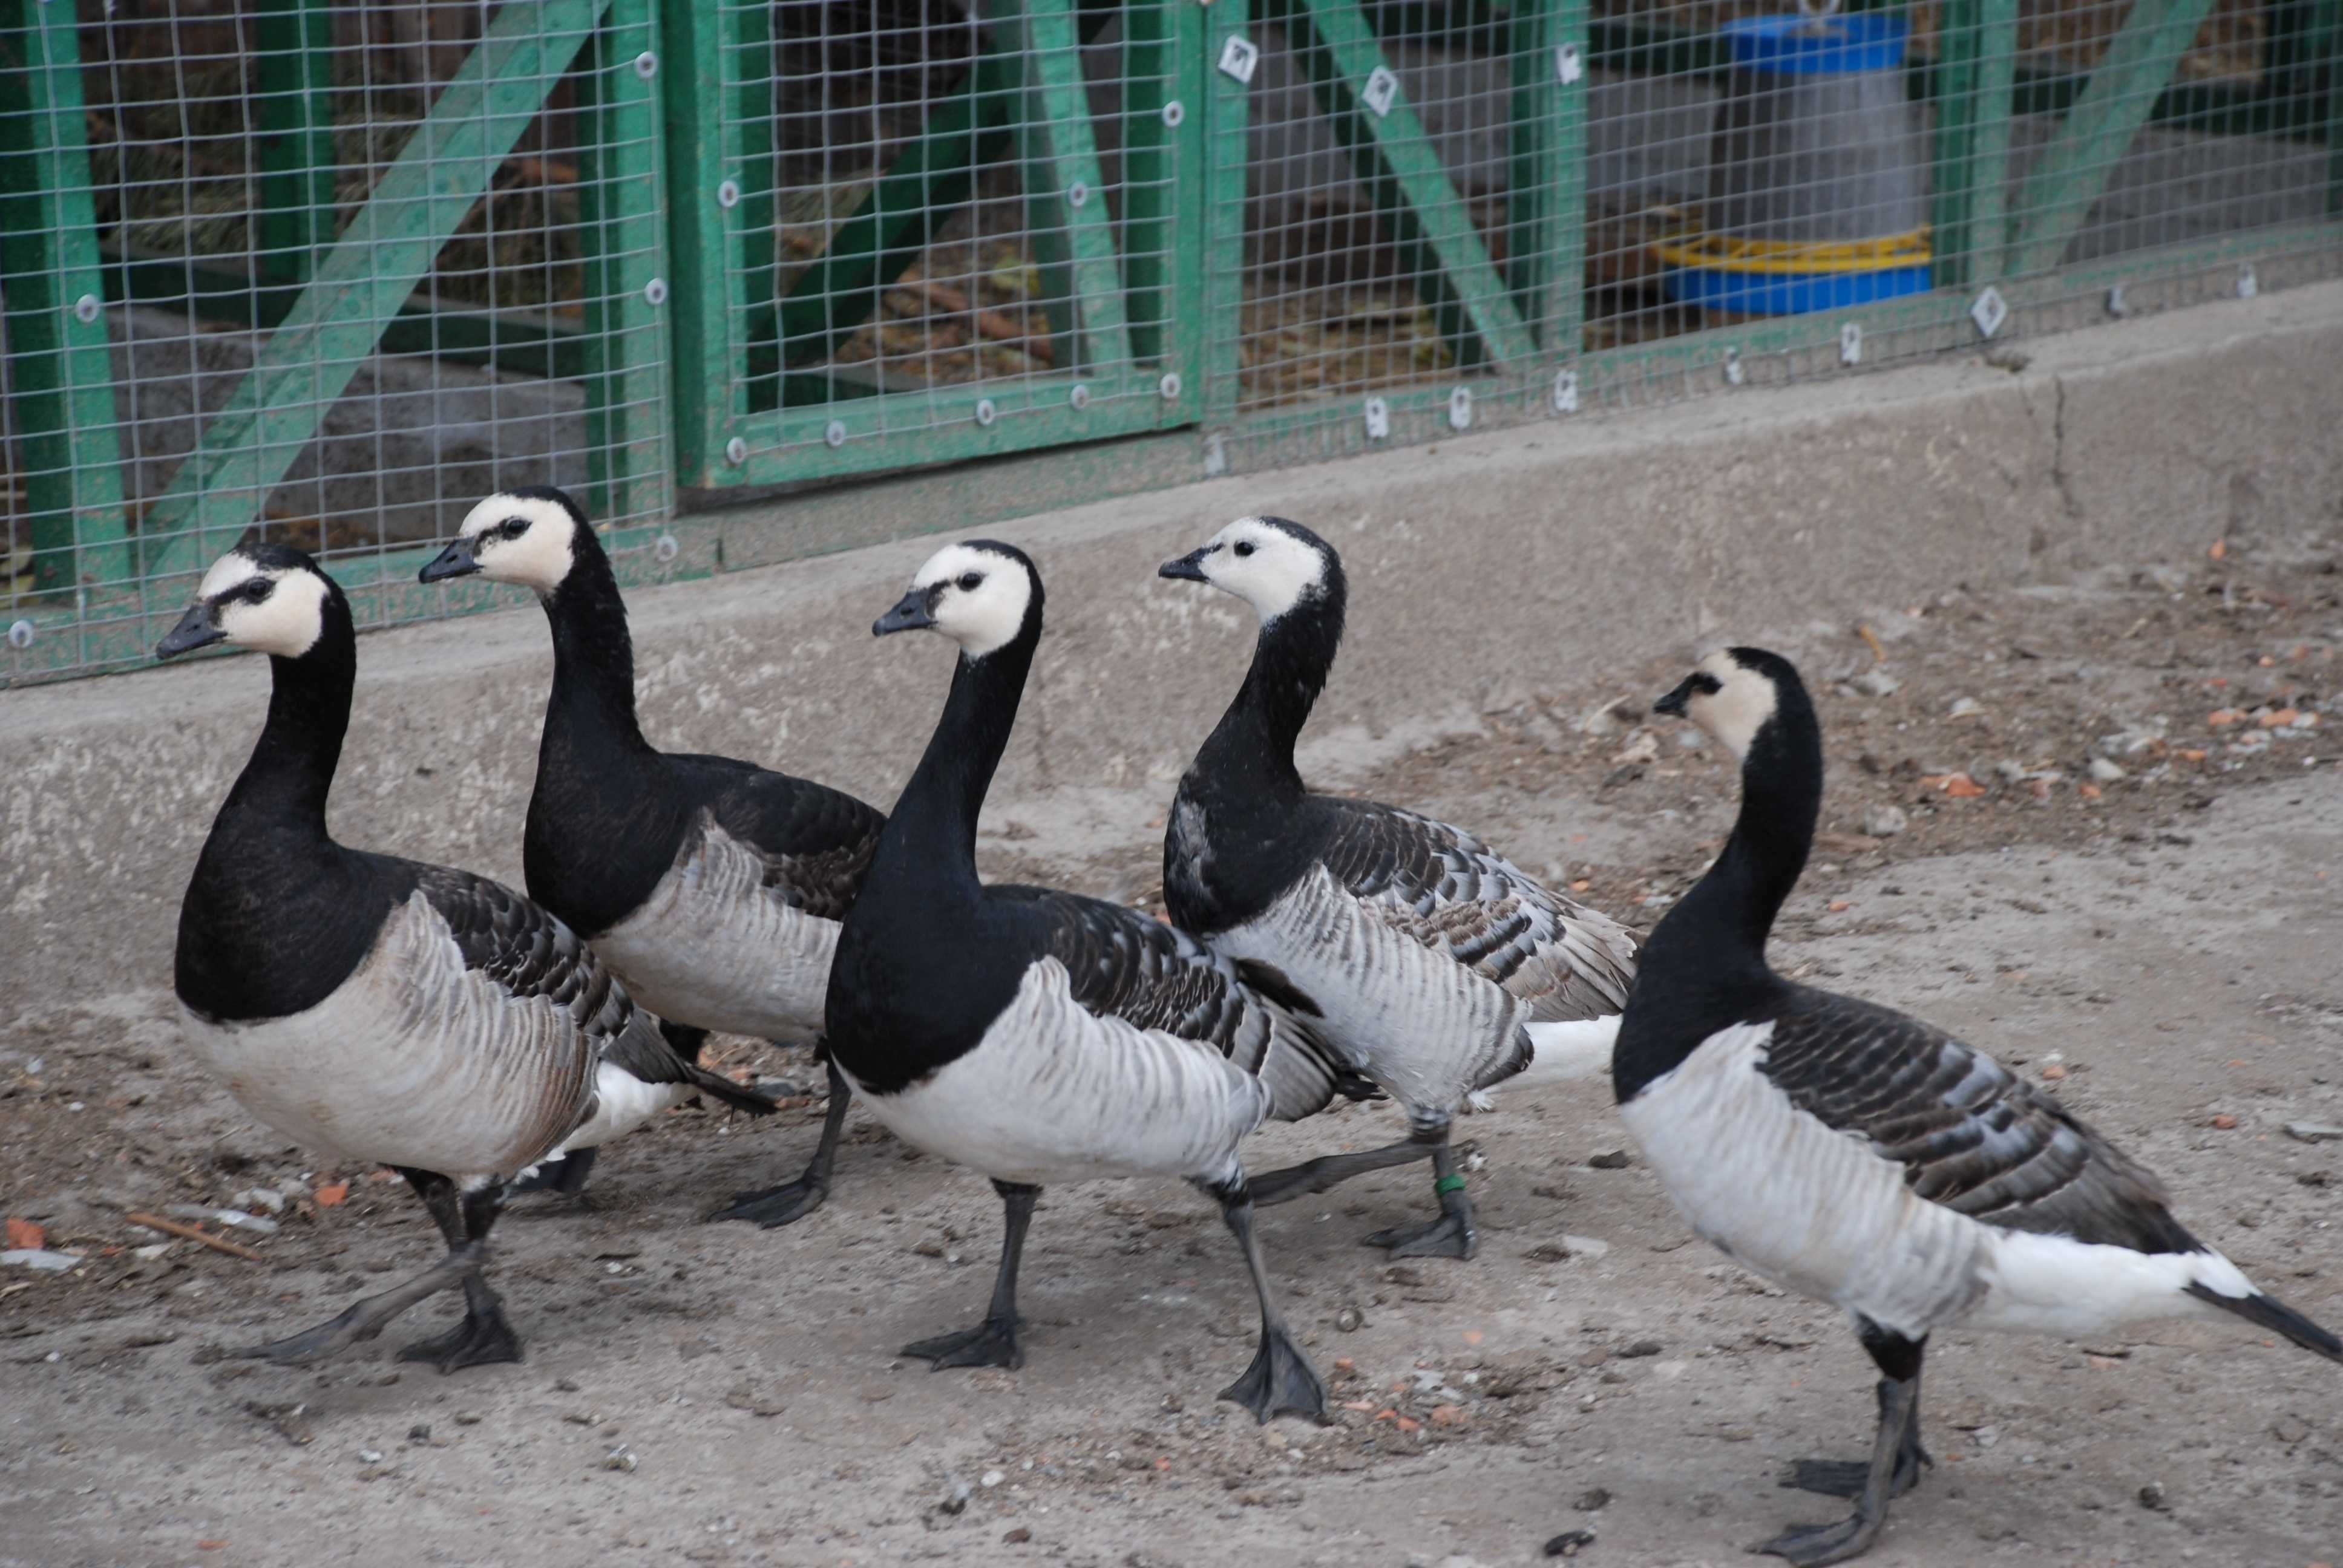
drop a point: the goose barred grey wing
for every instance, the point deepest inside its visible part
(815, 842)
(1455, 895)
(1970, 1134)
(532, 955)
(1124, 964)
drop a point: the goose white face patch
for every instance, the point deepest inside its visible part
(286, 616)
(983, 597)
(529, 541)
(1262, 565)
(1738, 708)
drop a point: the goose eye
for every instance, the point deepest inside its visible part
(259, 588)
(515, 526)
(970, 580)
(1244, 547)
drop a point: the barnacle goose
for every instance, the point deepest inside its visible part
(1038, 1036)
(384, 1011)
(1442, 966)
(713, 887)
(1863, 1157)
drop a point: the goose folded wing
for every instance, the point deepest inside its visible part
(1456, 896)
(815, 842)
(1970, 1134)
(1124, 965)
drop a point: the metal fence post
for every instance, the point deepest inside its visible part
(705, 385)
(60, 362)
(1227, 107)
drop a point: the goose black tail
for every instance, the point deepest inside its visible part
(2270, 1312)
(715, 1086)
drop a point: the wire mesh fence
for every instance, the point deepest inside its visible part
(337, 269)
(333, 272)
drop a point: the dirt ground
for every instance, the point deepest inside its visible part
(2157, 939)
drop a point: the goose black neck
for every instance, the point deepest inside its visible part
(1291, 659)
(285, 785)
(1722, 923)
(933, 825)
(593, 654)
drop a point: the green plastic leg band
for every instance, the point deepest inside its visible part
(1448, 1184)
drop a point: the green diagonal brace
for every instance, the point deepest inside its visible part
(1065, 190)
(1393, 159)
(310, 360)
(2073, 169)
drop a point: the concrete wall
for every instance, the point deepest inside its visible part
(1478, 565)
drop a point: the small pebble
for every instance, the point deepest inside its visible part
(1016, 1537)
(1642, 1348)
(620, 1458)
(992, 1478)
(1592, 1498)
(1350, 1320)
(1614, 1159)
(418, 1432)
(2151, 1497)
(1570, 1544)
(369, 1456)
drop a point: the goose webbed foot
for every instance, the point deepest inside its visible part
(1895, 1450)
(792, 1201)
(364, 1320)
(1449, 1236)
(991, 1344)
(774, 1206)
(1846, 1477)
(1811, 1545)
(1280, 1382)
(482, 1339)
(994, 1342)
(564, 1177)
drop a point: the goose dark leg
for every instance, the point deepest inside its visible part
(365, 1319)
(795, 1199)
(993, 1342)
(1274, 1187)
(1281, 1380)
(1811, 1545)
(483, 1337)
(1845, 1477)
(1449, 1236)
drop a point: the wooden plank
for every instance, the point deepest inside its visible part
(297, 137)
(244, 450)
(1545, 209)
(622, 224)
(60, 364)
(1218, 301)
(1978, 60)
(1067, 222)
(705, 252)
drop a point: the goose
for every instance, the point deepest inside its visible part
(1038, 1036)
(384, 1011)
(714, 887)
(1444, 969)
(1863, 1157)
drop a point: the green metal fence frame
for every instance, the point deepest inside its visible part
(1151, 318)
